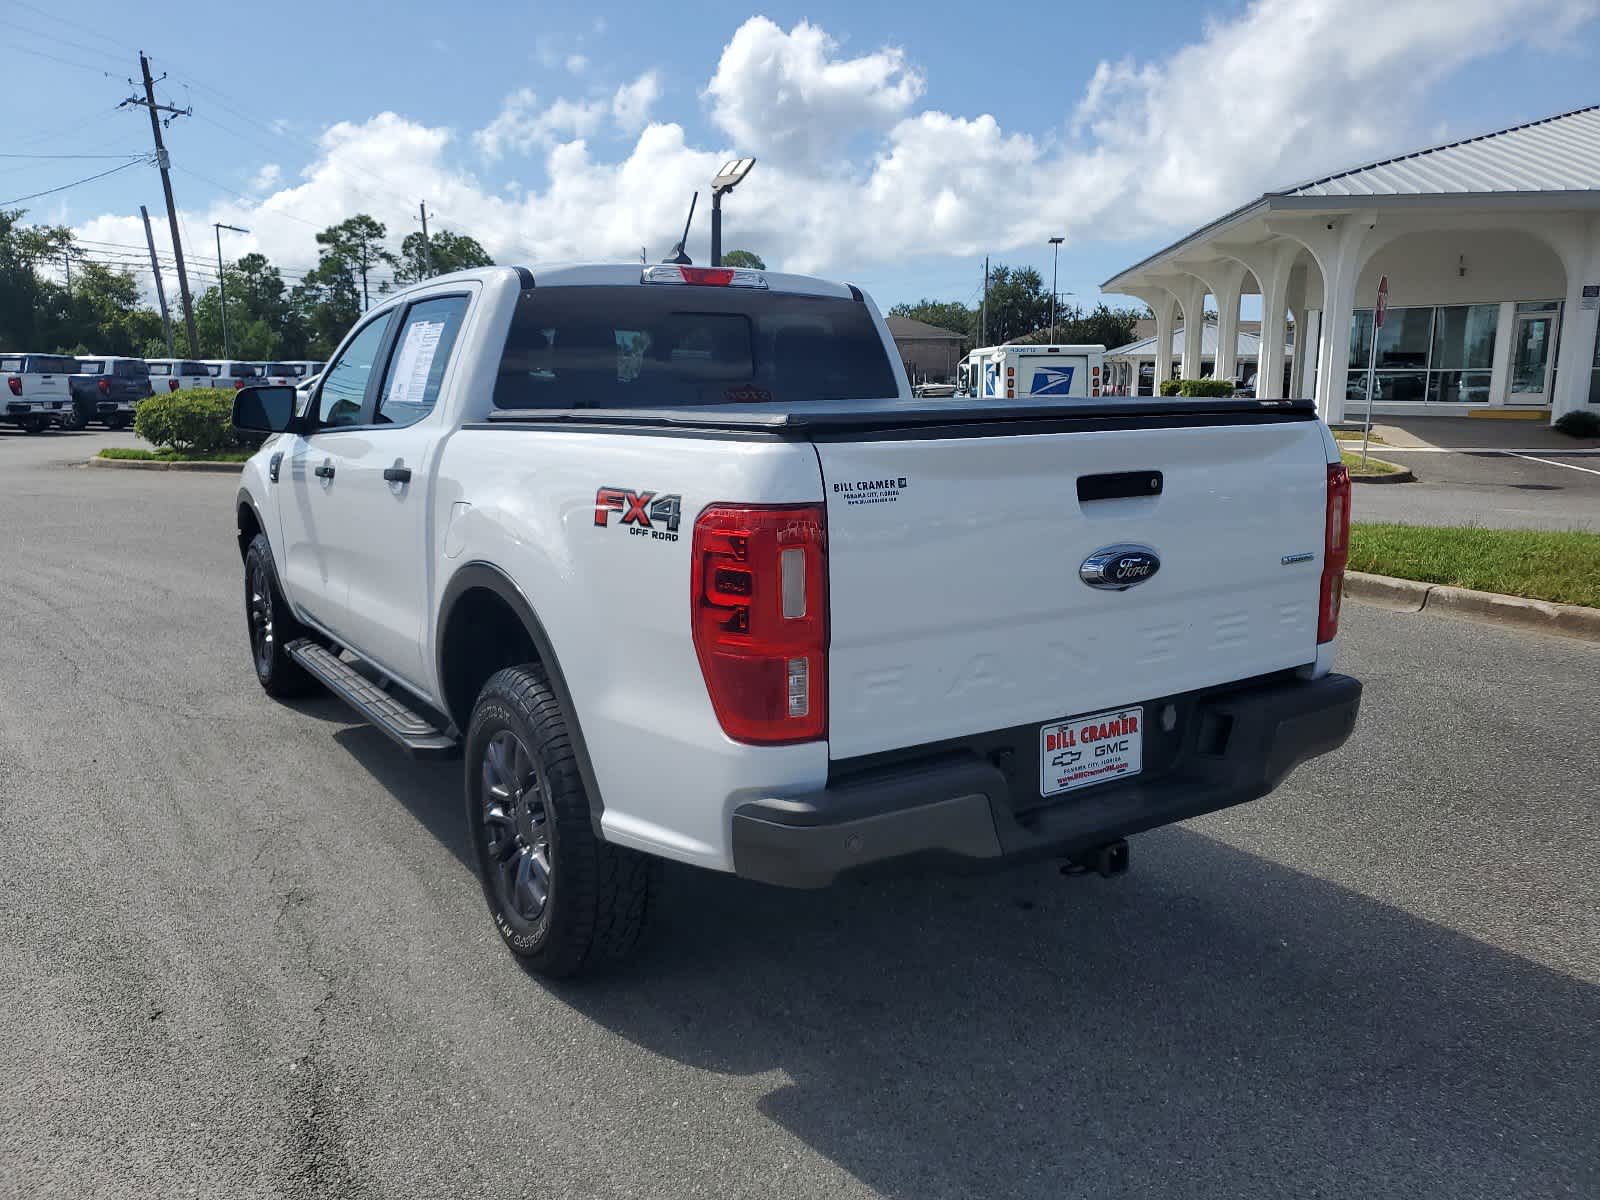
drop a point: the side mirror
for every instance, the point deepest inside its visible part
(263, 409)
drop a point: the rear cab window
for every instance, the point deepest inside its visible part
(160, 368)
(132, 368)
(672, 346)
(51, 364)
(14, 365)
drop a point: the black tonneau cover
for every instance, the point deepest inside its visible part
(912, 418)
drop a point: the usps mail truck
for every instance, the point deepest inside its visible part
(1028, 372)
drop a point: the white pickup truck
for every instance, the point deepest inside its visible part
(675, 560)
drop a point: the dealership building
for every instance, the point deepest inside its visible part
(1488, 251)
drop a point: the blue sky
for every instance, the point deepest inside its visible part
(897, 143)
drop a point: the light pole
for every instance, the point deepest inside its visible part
(1055, 270)
(731, 175)
(222, 282)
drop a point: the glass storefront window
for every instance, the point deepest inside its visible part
(1355, 389)
(1399, 387)
(1404, 339)
(1458, 387)
(1360, 339)
(1463, 336)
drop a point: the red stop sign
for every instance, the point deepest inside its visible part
(1383, 302)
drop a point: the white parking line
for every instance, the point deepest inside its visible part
(1551, 463)
(1388, 449)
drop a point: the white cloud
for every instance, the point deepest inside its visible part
(632, 104)
(1306, 86)
(577, 64)
(786, 97)
(267, 178)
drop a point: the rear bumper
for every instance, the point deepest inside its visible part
(1228, 747)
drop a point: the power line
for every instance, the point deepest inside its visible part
(64, 156)
(132, 162)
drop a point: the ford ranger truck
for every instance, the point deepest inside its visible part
(107, 390)
(676, 562)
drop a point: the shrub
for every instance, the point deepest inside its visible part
(194, 421)
(1197, 387)
(1580, 424)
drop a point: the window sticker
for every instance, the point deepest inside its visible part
(408, 384)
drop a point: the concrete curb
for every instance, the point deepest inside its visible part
(1400, 474)
(1408, 595)
(140, 464)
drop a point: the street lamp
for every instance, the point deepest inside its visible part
(222, 282)
(731, 175)
(1055, 269)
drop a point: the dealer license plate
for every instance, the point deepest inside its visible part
(1096, 748)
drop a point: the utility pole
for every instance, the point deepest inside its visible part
(222, 283)
(983, 308)
(161, 291)
(149, 102)
(427, 246)
(66, 257)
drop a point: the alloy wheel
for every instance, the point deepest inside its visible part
(516, 825)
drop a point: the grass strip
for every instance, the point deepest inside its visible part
(1561, 566)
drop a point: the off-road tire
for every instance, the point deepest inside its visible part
(74, 421)
(599, 897)
(271, 626)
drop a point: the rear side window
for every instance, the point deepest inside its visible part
(91, 366)
(671, 346)
(418, 361)
(159, 368)
(11, 364)
(132, 368)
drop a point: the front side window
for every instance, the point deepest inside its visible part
(417, 363)
(342, 398)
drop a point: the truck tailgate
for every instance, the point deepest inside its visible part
(954, 590)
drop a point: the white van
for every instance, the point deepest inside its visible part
(1032, 372)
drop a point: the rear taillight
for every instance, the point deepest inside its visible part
(172, 385)
(237, 384)
(15, 385)
(104, 385)
(759, 600)
(1335, 552)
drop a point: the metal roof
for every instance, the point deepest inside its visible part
(1556, 154)
(1249, 345)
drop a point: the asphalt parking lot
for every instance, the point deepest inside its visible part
(241, 952)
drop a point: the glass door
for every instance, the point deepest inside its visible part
(1532, 358)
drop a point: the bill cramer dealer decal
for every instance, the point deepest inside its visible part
(871, 491)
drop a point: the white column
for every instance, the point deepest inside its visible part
(1306, 333)
(1164, 322)
(1271, 264)
(1193, 299)
(1575, 348)
(1500, 366)
(1342, 255)
(1224, 278)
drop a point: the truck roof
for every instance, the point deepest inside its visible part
(621, 274)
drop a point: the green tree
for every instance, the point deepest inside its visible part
(326, 303)
(27, 300)
(1018, 304)
(944, 314)
(743, 258)
(356, 244)
(1108, 327)
(445, 252)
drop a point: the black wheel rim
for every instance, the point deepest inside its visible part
(516, 828)
(258, 602)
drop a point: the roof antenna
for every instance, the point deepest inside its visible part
(678, 255)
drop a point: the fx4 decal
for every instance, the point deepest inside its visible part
(644, 513)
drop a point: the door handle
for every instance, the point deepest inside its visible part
(397, 474)
(325, 471)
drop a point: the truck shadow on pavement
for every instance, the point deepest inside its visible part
(1213, 1024)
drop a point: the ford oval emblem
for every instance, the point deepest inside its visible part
(1119, 568)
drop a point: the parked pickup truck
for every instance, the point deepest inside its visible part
(106, 390)
(36, 395)
(675, 560)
